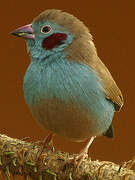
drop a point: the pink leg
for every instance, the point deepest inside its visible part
(47, 142)
(84, 152)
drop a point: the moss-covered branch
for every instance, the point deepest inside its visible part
(22, 158)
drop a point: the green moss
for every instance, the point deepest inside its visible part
(0, 161)
(14, 161)
(9, 153)
(40, 177)
(70, 176)
(30, 163)
(51, 173)
(7, 172)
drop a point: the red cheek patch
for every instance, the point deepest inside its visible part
(53, 40)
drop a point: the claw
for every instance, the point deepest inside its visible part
(46, 143)
(80, 158)
(83, 154)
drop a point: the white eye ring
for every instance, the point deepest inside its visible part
(46, 29)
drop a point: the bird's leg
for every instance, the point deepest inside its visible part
(83, 153)
(48, 142)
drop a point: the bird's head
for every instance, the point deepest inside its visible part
(53, 31)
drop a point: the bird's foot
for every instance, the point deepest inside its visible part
(47, 143)
(77, 160)
(80, 158)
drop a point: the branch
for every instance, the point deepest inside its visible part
(18, 157)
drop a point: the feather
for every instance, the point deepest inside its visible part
(83, 50)
(109, 133)
(111, 89)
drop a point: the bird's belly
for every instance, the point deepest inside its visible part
(68, 120)
(67, 98)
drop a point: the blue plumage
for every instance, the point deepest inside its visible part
(68, 81)
(66, 86)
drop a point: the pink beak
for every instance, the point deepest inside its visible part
(25, 32)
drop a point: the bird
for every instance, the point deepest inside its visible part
(68, 89)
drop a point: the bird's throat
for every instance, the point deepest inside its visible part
(53, 40)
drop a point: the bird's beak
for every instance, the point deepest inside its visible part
(25, 32)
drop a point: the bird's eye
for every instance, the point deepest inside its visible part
(46, 29)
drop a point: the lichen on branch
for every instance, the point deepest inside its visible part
(18, 157)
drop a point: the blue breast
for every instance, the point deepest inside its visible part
(56, 77)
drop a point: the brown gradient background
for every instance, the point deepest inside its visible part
(112, 24)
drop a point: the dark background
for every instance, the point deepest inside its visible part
(112, 24)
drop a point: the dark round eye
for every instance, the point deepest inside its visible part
(46, 29)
